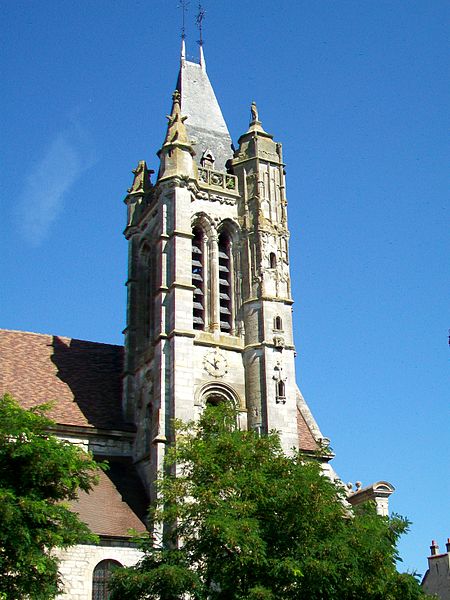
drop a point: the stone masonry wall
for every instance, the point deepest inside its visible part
(78, 563)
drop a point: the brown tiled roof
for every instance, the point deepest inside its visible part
(116, 505)
(305, 437)
(83, 379)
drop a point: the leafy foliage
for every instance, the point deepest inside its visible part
(237, 519)
(37, 473)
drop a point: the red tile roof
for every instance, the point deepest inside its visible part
(106, 511)
(306, 439)
(82, 378)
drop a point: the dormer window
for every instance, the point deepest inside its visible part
(207, 160)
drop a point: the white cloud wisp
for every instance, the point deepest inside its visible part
(48, 182)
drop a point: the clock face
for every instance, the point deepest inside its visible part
(215, 363)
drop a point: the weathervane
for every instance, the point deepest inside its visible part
(183, 5)
(199, 19)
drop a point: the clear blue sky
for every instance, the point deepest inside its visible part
(358, 93)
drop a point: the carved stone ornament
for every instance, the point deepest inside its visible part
(215, 363)
(278, 341)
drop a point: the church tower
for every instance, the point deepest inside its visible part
(209, 314)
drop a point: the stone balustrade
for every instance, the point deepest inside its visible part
(217, 180)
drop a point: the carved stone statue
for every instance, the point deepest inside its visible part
(254, 111)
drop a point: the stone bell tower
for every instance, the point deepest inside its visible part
(209, 296)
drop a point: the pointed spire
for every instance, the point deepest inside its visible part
(176, 131)
(177, 153)
(183, 50)
(141, 182)
(206, 126)
(202, 59)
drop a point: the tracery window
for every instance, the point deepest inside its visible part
(101, 577)
(198, 278)
(225, 283)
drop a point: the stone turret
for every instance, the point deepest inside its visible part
(269, 352)
(176, 154)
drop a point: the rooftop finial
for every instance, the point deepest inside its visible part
(183, 5)
(176, 97)
(200, 16)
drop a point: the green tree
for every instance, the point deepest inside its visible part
(237, 519)
(38, 472)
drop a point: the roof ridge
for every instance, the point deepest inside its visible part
(63, 337)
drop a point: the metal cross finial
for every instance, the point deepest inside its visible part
(183, 5)
(200, 16)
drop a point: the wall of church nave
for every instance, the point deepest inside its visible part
(77, 566)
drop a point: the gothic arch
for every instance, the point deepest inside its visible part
(231, 227)
(203, 221)
(215, 392)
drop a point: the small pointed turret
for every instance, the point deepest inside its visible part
(176, 153)
(139, 194)
(141, 182)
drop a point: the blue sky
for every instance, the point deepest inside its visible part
(358, 93)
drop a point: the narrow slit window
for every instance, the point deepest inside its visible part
(198, 279)
(273, 260)
(278, 324)
(281, 391)
(225, 288)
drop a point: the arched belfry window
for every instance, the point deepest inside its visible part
(225, 283)
(198, 278)
(101, 577)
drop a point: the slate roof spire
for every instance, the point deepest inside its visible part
(205, 125)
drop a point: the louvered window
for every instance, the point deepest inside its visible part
(198, 279)
(101, 577)
(225, 288)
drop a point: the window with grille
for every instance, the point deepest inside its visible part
(198, 279)
(101, 577)
(225, 288)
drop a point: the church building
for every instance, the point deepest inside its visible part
(209, 320)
